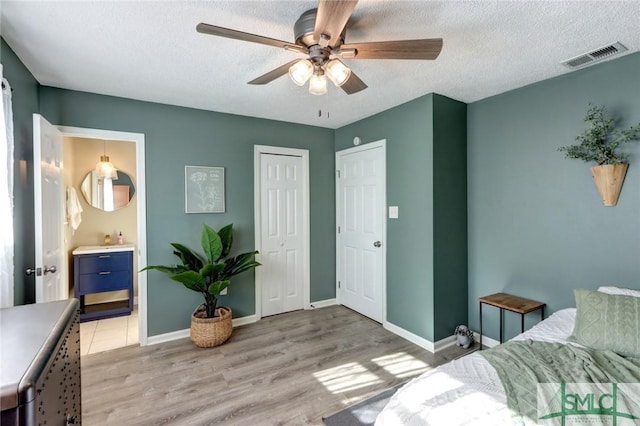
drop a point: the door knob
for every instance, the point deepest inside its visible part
(377, 244)
(31, 271)
(49, 270)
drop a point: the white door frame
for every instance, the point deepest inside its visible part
(306, 244)
(138, 139)
(7, 285)
(371, 145)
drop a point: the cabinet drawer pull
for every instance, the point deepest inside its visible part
(104, 256)
(104, 273)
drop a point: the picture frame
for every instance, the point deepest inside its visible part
(204, 190)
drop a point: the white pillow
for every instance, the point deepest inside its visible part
(619, 291)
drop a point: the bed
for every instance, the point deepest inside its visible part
(476, 389)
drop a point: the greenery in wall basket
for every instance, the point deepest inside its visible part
(599, 142)
(210, 274)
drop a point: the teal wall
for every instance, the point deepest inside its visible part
(24, 104)
(176, 137)
(449, 215)
(415, 141)
(537, 227)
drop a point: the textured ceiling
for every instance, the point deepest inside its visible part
(150, 50)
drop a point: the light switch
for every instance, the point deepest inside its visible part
(393, 212)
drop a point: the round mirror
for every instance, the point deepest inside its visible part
(108, 194)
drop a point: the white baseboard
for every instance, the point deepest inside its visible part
(445, 343)
(181, 334)
(249, 319)
(413, 338)
(168, 337)
(323, 303)
(421, 341)
(486, 341)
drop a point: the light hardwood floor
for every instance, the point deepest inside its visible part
(286, 369)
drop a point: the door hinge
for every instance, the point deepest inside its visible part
(338, 284)
(338, 229)
(338, 172)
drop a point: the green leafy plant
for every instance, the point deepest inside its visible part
(599, 142)
(209, 274)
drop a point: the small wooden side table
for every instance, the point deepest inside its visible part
(511, 303)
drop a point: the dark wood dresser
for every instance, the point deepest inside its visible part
(40, 364)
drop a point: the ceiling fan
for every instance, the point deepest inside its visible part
(320, 34)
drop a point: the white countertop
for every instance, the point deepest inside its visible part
(103, 249)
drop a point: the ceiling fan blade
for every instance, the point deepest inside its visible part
(353, 84)
(239, 35)
(331, 18)
(273, 74)
(402, 49)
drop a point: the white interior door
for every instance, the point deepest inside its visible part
(49, 196)
(283, 242)
(361, 255)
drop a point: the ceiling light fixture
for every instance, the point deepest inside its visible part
(305, 69)
(104, 168)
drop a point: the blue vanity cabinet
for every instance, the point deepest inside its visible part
(99, 272)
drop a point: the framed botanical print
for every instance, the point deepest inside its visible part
(204, 189)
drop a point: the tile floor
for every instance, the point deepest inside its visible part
(111, 333)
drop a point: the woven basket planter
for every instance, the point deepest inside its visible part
(210, 332)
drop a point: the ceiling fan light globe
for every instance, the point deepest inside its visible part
(318, 84)
(301, 71)
(337, 72)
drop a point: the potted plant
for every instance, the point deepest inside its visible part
(209, 275)
(599, 144)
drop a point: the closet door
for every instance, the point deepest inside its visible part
(283, 245)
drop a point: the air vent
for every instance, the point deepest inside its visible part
(600, 54)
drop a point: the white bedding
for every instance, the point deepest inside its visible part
(466, 391)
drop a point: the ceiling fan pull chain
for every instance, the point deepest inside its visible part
(327, 103)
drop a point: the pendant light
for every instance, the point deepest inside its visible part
(104, 168)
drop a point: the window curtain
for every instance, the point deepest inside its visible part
(6, 196)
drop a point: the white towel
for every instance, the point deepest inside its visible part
(74, 209)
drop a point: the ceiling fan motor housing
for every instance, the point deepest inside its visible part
(304, 27)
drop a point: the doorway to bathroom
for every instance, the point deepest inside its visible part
(106, 222)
